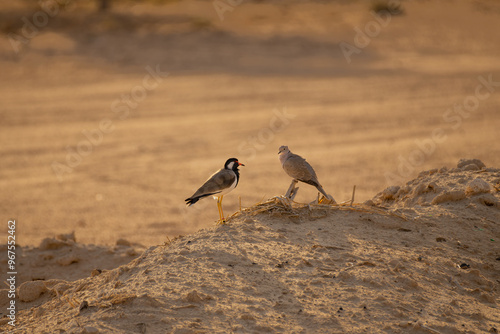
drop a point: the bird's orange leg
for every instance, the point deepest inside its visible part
(222, 220)
(218, 208)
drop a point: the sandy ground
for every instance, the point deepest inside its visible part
(423, 258)
(420, 92)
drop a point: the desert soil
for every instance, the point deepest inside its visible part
(423, 258)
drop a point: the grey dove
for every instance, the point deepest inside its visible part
(300, 170)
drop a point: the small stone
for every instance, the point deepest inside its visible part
(68, 259)
(469, 167)
(131, 252)
(466, 162)
(247, 316)
(432, 186)
(419, 189)
(403, 191)
(95, 272)
(388, 193)
(51, 243)
(488, 200)
(477, 186)
(31, 290)
(454, 195)
(193, 297)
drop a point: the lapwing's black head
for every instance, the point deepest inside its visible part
(233, 164)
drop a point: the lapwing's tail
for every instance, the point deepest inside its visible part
(190, 201)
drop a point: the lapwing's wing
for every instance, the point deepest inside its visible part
(217, 183)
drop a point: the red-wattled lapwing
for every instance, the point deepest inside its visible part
(300, 170)
(219, 184)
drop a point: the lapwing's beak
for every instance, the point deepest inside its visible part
(240, 164)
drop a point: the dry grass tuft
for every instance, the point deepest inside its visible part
(281, 206)
(169, 241)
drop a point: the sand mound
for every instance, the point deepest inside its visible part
(414, 265)
(471, 183)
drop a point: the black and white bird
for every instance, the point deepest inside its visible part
(300, 170)
(218, 185)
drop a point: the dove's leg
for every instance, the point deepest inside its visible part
(294, 192)
(291, 189)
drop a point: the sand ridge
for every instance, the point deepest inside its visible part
(397, 263)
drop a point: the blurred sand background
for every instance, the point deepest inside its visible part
(227, 79)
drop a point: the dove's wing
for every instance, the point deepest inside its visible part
(299, 169)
